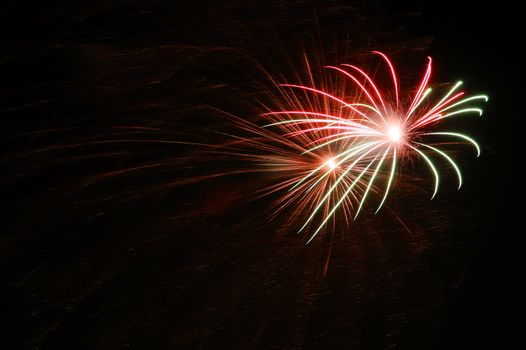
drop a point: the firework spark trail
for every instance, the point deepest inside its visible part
(342, 146)
(313, 180)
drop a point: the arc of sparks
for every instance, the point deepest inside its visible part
(358, 153)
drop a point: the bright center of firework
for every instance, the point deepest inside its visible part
(395, 133)
(331, 164)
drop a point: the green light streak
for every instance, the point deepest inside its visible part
(371, 181)
(427, 92)
(391, 177)
(339, 139)
(329, 215)
(462, 111)
(450, 92)
(342, 176)
(432, 166)
(478, 97)
(462, 136)
(457, 170)
(352, 152)
(363, 105)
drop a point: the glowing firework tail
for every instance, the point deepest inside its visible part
(340, 149)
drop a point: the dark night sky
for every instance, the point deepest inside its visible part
(108, 243)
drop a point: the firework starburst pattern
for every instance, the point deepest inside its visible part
(336, 151)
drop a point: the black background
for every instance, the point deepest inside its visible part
(108, 242)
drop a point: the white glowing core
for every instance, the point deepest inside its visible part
(331, 164)
(395, 133)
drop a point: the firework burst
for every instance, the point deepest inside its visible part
(333, 150)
